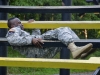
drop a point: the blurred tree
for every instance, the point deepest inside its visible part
(86, 33)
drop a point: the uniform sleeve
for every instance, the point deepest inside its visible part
(36, 32)
(15, 39)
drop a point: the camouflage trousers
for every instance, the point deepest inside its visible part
(63, 34)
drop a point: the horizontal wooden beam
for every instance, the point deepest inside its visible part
(91, 64)
(56, 43)
(56, 24)
(50, 9)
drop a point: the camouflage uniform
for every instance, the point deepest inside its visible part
(20, 37)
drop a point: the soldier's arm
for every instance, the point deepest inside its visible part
(34, 31)
(15, 39)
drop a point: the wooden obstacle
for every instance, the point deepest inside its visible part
(46, 9)
(56, 24)
(50, 9)
(92, 64)
(56, 43)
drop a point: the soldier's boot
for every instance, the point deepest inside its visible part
(84, 55)
(77, 51)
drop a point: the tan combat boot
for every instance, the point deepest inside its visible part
(77, 51)
(84, 55)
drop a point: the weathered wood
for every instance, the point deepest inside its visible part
(56, 43)
(50, 9)
(50, 63)
(56, 24)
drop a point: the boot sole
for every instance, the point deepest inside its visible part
(88, 47)
(88, 53)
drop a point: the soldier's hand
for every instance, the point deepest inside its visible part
(31, 20)
(37, 42)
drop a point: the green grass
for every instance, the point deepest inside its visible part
(41, 71)
(30, 71)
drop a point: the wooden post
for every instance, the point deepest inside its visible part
(65, 53)
(3, 49)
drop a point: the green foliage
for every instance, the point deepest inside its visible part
(34, 2)
(36, 16)
(92, 33)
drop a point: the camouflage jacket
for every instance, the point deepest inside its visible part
(19, 38)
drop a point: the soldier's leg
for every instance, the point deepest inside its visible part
(50, 52)
(76, 51)
(84, 54)
(73, 34)
(53, 34)
(67, 36)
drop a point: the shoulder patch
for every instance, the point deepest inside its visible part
(10, 33)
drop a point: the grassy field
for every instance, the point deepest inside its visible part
(40, 71)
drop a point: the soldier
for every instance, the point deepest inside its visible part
(17, 37)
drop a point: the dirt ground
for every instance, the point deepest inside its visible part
(86, 73)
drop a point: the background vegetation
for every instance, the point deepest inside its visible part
(82, 33)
